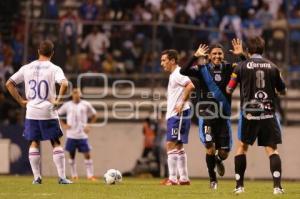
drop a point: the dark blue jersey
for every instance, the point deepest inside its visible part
(210, 83)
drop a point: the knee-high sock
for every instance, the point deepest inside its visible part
(275, 167)
(172, 164)
(182, 165)
(211, 163)
(59, 161)
(35, 161)
(240, 164)
(73, 166)
(89, 167)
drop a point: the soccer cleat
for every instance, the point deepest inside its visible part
(239, 190)
(92, 178)
(64, 181)
(168, 182)
(278, 191)
(37, 181)
(220, 168)
(184, 182)
(213, 185)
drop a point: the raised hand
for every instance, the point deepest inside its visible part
(237, 45)
(201, 51)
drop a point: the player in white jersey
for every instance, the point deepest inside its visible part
(178, 119)
(41, 120)
(78, 112)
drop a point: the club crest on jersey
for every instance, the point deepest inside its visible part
(261, 95)
(218, 77)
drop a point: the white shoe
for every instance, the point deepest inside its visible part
(239, 190)
(278, 190)
(213, 185)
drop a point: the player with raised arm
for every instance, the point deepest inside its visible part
(178, 118)
(210, 78)
(78, 112)
(41, 120)
(260, 81)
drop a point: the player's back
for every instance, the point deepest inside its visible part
(259, 79)
(39, 79)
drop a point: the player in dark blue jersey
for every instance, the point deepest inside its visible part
(260, 82)
(214, 105)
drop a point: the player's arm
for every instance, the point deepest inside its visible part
(232, 83)
(12, 89)
(64, 124)
(199, 55)
(62, 111)
(62, 90)
(186, 94)
(93, 118)
(280, 85)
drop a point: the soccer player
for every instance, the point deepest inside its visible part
(214, 104)
(78, 112)
(41, 120)
(178, 118)
(260, 81)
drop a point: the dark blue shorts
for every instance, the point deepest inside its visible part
(81, 144)
(173, 125)
(40, 130)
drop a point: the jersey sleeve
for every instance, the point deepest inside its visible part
(18, 77)
(59, 75)
(234, 79)
(91, 110)
(63, 109)
(279, 83)
(182, 80)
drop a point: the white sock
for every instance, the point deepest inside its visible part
(182, 165)
(35, 161)
(172, 164)
(73, 168)
(59, 160)
(89, 167)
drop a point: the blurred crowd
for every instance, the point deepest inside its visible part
(127, 36)
(89, 38)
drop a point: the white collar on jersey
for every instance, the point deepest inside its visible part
(256, 56)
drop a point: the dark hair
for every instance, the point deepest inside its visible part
(217, 45)
(171, 53)
(256, 45)
(46, 48)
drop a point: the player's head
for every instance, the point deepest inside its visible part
(169, 59)
(216, 54)
(46, 48)
(256, 45)
(76, 94)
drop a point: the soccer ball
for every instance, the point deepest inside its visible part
(112, 176)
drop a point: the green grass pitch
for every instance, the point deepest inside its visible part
(15, 187)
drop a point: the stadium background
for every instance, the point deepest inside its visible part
(132, 33)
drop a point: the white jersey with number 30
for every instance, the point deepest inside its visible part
(39, 78)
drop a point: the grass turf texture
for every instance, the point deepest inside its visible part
(20, 187)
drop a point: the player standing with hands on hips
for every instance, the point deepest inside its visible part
(260, 82)
(78, 112)
(41, 120)
(178, 118)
